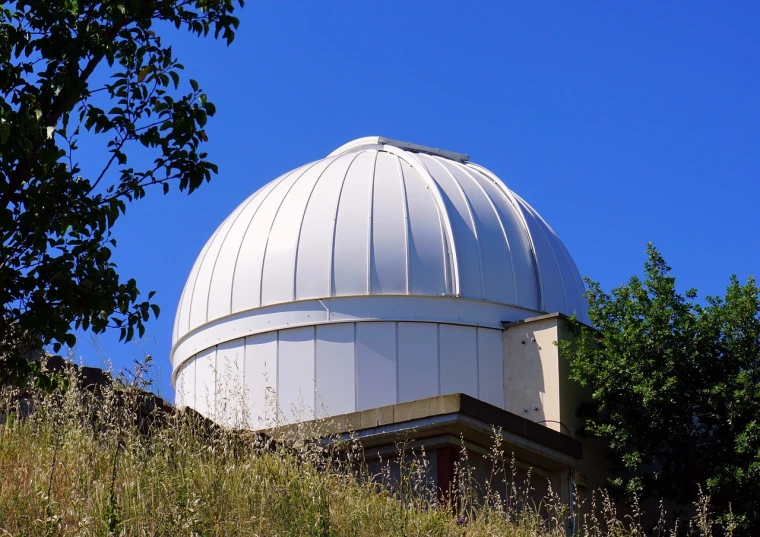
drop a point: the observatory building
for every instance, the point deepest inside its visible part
(392, 286)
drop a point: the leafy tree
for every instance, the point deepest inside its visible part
(675, 388)
(68, 67)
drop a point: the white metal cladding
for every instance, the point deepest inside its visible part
(302, 373)
(380, 219)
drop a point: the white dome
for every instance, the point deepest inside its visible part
(382, 218)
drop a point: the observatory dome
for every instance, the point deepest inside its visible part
(335, 272)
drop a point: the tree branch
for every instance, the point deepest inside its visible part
(63, 102)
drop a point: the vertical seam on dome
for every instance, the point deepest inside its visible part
(577, 278)
(370, 242)
(330, 274)
(450, 252)
(565, 254)
(300, 226)
(248, 227)
(216, 259)
(463, 167)
(450, 280)
(201, 259)
(551, 249)
(446, 255)
(570, 266)
(405, 205)
(511, 198)
(271, 226)
(582, 290)
(468, 205)
(178, 313)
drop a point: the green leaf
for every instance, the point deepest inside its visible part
(5, 131)
(145, 71)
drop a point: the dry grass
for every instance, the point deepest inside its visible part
(79, 466)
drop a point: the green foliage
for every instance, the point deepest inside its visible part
(676, 388)
(56, 273)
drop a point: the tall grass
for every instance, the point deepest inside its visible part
(81, 464)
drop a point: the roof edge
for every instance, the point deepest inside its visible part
(369, 141)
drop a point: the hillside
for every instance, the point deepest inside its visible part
(82, 463)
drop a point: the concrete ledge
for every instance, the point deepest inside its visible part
(458, 415)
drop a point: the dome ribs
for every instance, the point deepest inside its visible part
(497, 262)
(370, 229)
(552, 272)
(405, 206)
(274, 222)
(426, 248)
(450, 258)
(465, 231)
(352, 229)
(513, 299)
(300, 227)
(330, 285)
(510, 197)
(380, 232)
(247, 229)
(237, 214)
(200, 264)
(388, 246)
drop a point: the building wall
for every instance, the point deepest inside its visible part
(536, 379)
(531, 371)
(299, 374)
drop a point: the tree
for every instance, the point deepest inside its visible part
(675, 388)
(56, 275)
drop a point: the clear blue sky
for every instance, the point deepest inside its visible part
(621, 123)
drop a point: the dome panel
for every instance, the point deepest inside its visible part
(498, 277)
(350, 259)
(249, 262)
(220, 291)
(428, 258)
(200, 285)
(279, 271)
(580, 287)
(388, 261)
(315, 245)
(549, 271)
(518, 242)
(574, 302)
(459, 212)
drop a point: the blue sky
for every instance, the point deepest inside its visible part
(621, 123)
